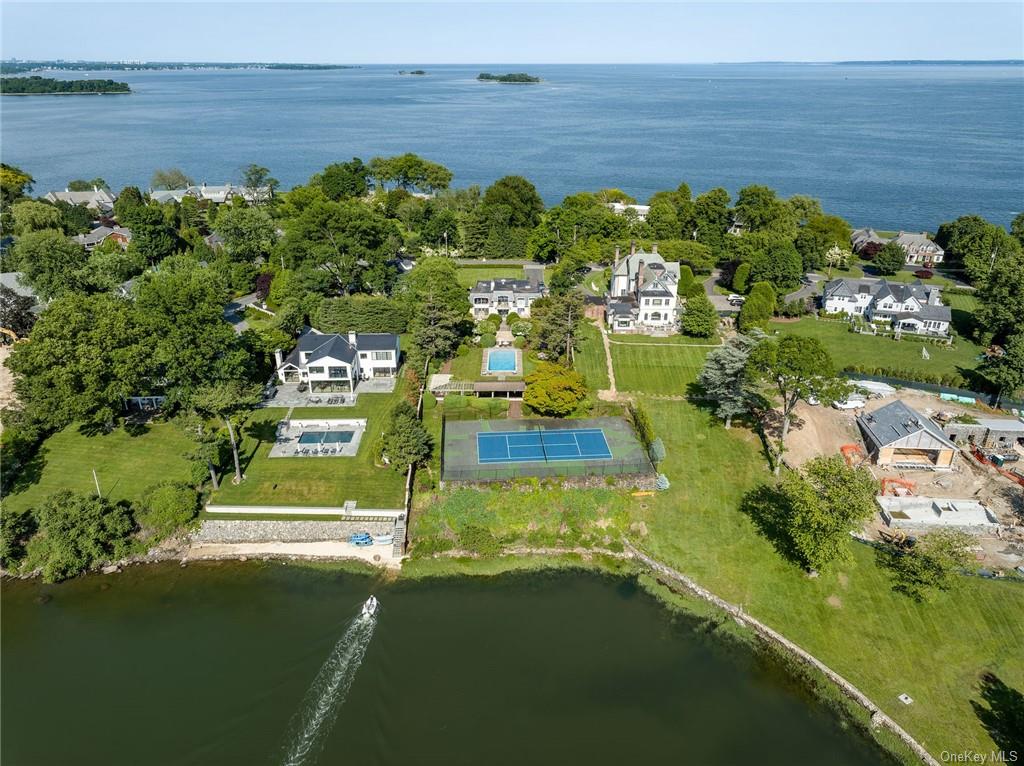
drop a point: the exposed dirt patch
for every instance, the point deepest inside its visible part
(844, 580)
(834, 601)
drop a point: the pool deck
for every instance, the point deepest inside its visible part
(485, 370)
(286, 444)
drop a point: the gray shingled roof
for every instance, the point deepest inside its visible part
(897, 421)
(376, 341)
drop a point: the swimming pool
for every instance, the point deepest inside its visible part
(325, 437)
(502, 360)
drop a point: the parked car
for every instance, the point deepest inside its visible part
(813, 401)
(736, 300)
(853, 403)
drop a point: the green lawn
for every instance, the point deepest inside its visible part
(663, 369)
(125, 464)
(848, 617)
(669, 340)
(316, 481)
(467, 366)
(590, 359)
(469, 275)
(963, 308)
(849, 348)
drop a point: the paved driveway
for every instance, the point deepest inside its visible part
(720, 302)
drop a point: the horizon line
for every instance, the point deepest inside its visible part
(140, 62)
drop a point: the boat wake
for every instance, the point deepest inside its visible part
(325, 696)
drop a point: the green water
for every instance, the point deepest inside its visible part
(208, 665)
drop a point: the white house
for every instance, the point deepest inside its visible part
(912, 308)
(505, 296)
(919, 248)
(216, 194)
(620, 208)
(643, 296)
(334, 362)
(98, 200)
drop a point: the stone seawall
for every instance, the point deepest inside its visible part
(237, 531)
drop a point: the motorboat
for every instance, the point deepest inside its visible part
(370, 606)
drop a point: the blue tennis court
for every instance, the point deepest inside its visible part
(544, 446)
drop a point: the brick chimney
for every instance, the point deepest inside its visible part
(639, 277)
(632, 247)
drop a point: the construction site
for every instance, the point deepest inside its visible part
(972, 493)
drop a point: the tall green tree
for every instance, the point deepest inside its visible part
(519, 196)
(30, 215)
(50, 263)
(105, 355)
(1007, 371)
(1001, 299)
(405, 441)
(556, 325)
(699, 320)
(152, 237)
(81, 185)
(778, 262)
(228, 401)
(795, 367)
(249, 232)
(760, 209)
(15, 184)
(824, 505)
(342, 180)
(258, 184)
(711, 216)
(932, 564)
(409, 171)
(171, 178)
(977, 244)
(182, 306)
(727, 377)
(817, 236)
(127, 201)
(664, 221)
(890, 259)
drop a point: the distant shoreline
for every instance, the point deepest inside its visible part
(75, 93)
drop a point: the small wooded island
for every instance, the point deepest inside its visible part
(41, 86)
(516, 77)
(414, 71)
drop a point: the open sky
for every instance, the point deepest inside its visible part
(502, 32)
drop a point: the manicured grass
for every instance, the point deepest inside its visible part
(126, 465)
(590, 359)
(848, 348)
(883, 642)
(963, 308)
(668, 340)
(467, 366)
(664, 369)
(315, 481)
(468, 276)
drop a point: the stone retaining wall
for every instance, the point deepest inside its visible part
(236, 531)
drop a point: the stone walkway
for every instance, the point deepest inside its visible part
(611, 394)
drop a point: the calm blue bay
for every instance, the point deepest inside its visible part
(893, 146)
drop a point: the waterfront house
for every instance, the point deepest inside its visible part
(335, 362)
(918, 247)
(643, 295)
(216, 194)
(620, 208)
(898, 436)
(911, 308)
(98, 200)
(101, 234)
(507, 296)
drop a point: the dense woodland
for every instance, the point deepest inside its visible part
(21, 86)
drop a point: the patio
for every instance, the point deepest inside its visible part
(299, 395)
(318, 438)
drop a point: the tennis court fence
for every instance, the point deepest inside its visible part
(508, 471)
